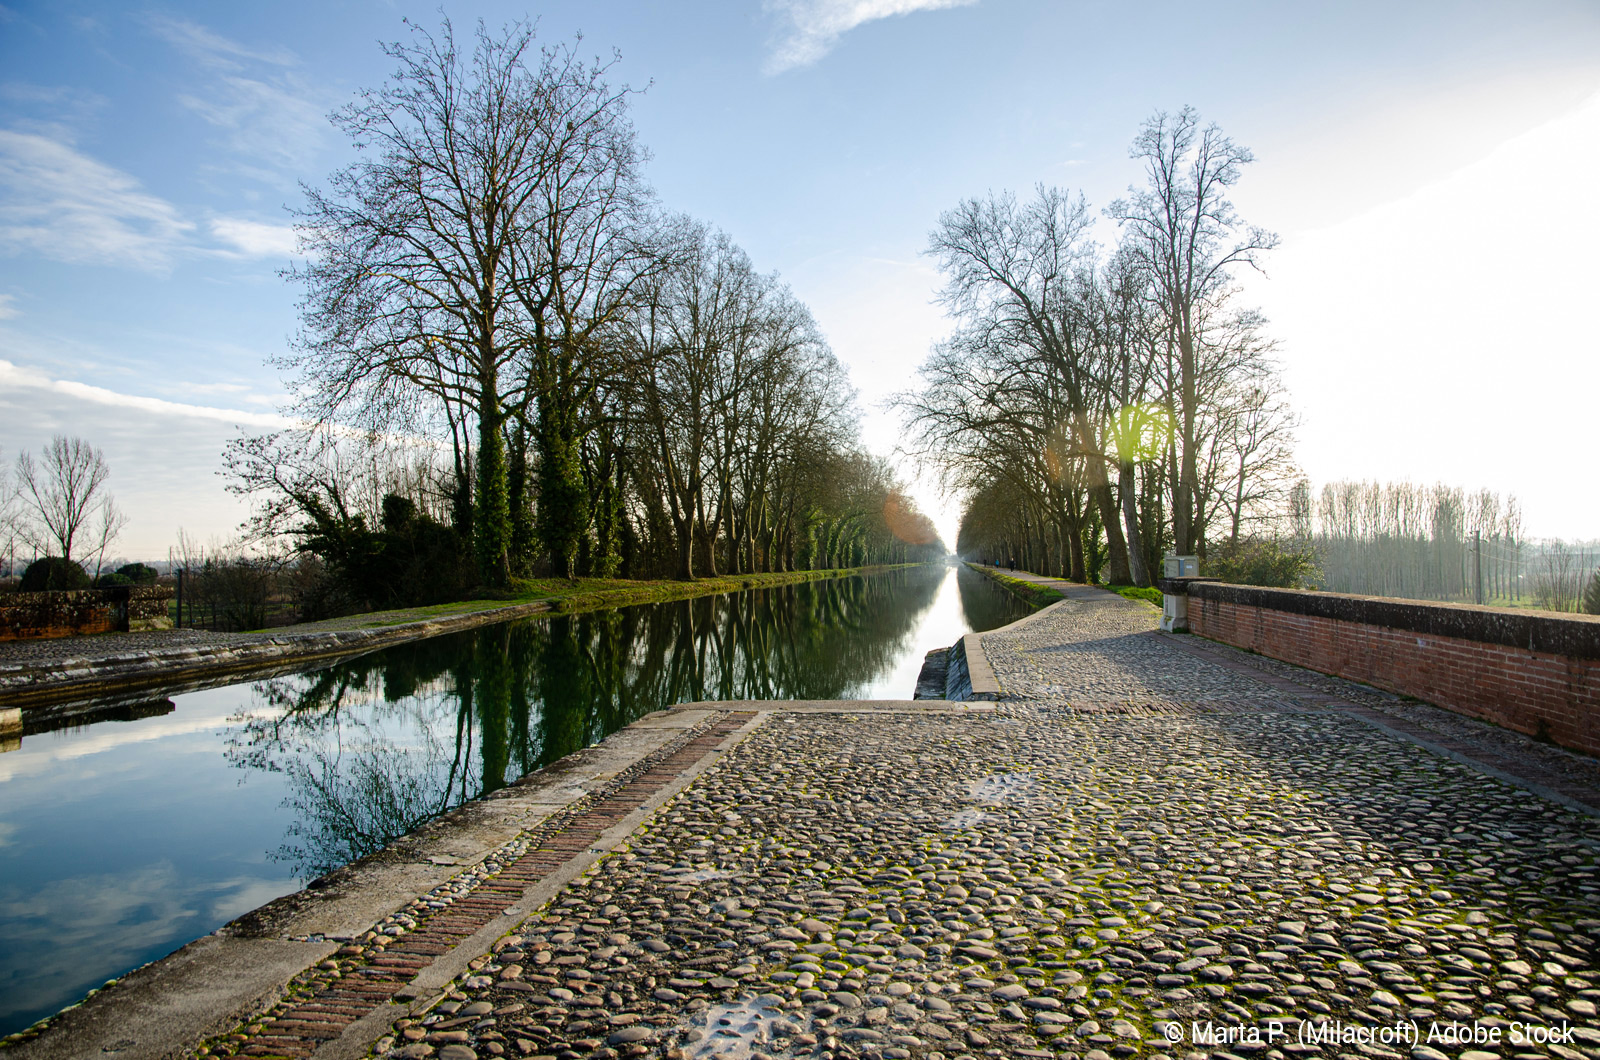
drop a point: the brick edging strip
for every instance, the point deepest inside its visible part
(563, 846)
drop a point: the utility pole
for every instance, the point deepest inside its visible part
(1477, 567)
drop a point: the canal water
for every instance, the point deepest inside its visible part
(121, 840)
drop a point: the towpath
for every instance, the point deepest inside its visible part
(1144, 839)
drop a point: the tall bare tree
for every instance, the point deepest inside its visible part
(65, 508)
(410, 276)
(1010, 270)
(1187, 236)
(586, 247)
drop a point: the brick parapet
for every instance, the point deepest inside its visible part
(1535, 673)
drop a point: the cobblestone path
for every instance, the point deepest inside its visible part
(1136, 846)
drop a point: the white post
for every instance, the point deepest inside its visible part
(1174, 613)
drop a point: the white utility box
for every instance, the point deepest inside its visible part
(1180, 566)
(1174, 613)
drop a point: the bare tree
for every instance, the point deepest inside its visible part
(64, 504)
(10, 514)
(1185, 232)
(1251, 459)
(1012, 273)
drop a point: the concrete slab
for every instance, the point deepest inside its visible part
(981, 675)
(163, 1008)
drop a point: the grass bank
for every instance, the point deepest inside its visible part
(1037, 595)
(1148, 594)
(585, 594)
(1030, 593)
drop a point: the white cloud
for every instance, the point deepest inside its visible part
(210, 388)
(814, 26)
(59, 203)
(7, 308)
(62, 204)
(270, 114)
(280, 122)
(165, 455)
(253, 239)
(68, 103)
(13, 375)
(213, 49)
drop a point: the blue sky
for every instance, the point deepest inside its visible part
(1429, 165)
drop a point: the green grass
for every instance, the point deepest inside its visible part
(1149, 594)
(1030, 593)
(584, 594)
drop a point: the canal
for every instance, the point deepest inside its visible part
(121, 840)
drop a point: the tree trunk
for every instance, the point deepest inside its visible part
(1127, 487)
(492, 532)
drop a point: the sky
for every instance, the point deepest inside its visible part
(1429, 166)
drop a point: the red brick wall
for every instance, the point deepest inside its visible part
(1539, 693)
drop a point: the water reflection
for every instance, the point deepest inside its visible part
(373, 747)
(121, 840)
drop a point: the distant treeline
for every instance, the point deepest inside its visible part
(1438, 543)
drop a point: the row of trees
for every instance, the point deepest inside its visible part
(1436, 542)
(1098, 407)
(1419, 542)
(504, 332)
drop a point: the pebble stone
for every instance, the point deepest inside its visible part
(1133, 839)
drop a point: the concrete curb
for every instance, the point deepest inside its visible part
(980, 675)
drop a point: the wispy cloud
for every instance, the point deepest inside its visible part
(8, 307)
(252, 239)
(60, 203)
(20, 377)
(68, 103)
(814, 26)
(213, 49)
(279, 122)
(264, 109)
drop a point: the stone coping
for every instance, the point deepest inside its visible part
(1572, 636)
(27, 684)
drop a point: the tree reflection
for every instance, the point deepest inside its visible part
(375, 746)
(984, 604)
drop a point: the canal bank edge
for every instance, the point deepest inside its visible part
(245, 974)
(968, 675)
(112, 677)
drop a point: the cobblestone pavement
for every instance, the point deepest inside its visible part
(1148, 847)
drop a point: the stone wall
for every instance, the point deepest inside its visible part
(34, 616)
(1534, 672)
